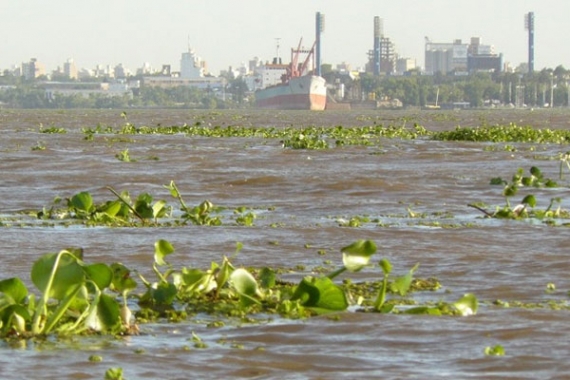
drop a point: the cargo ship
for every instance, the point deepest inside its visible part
(307, 92)
(300, 88)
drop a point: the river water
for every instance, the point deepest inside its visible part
(302, 198)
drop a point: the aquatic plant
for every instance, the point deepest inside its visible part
(73, 299)
(496, 350)
(311, 137)
(124, 156)
(521, 210)
(124, 211)
(52, 130)
(118, 212)
(39, 146)
(264, 293)
(564, 161)
(244, 217)
(115, 373)
(504, 133)
(320, 137)
(199, 215)
(76, 297)
(302, 141)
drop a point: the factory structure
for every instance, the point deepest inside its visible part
(455, 57)
(383, 58)
(458, 57)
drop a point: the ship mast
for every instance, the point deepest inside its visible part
(306, 62)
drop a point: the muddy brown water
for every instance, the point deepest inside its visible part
(300, 197)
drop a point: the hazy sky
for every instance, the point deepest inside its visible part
(228, 32)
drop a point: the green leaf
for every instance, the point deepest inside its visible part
(82, 201)
(164, 293)
(112, 208)
(402, 284)
(193, 280)
(100, 274)
(172, 189)
(332, 296)
(190, 276)
(497, 181)
(162, 248)
(527, 181)
(143, 206)
(424, 310)
(223, 274)
(529, 200)
(244, 283)
(510, 190)
(106, 315)
(114, 374)
(267, 277)
(360, 247)
(357, 255)
(535, 172)
(386, 266)
(158, 209)
(14, 291)
(496, 350)
(67, 274)
(306, 292)
(145, 198)
(122, 280)
(381, 297)
(385, 308)
(467, 305)
(13, 316)
(321, 293)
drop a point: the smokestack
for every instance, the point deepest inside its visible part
(319, 27)
(529, 25)
(378, 33)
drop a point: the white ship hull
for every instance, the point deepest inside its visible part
(308, 92)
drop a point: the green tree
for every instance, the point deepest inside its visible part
(369, 83)
(238, 88)
(326, 68)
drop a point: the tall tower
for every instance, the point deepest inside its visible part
(529, 25)
(319, 28)
(378, 34)
(191, 66)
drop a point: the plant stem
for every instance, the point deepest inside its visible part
(58, 313)
(481, 209)
(41, 309)
(336, 272)
(125, 203)
(381, 294)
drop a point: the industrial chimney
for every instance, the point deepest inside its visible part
(378, 34)
(320, 27)
(529, 25)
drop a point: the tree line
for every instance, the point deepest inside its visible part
(20, 93)
(537, 89)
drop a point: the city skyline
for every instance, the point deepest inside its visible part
(225, 33)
